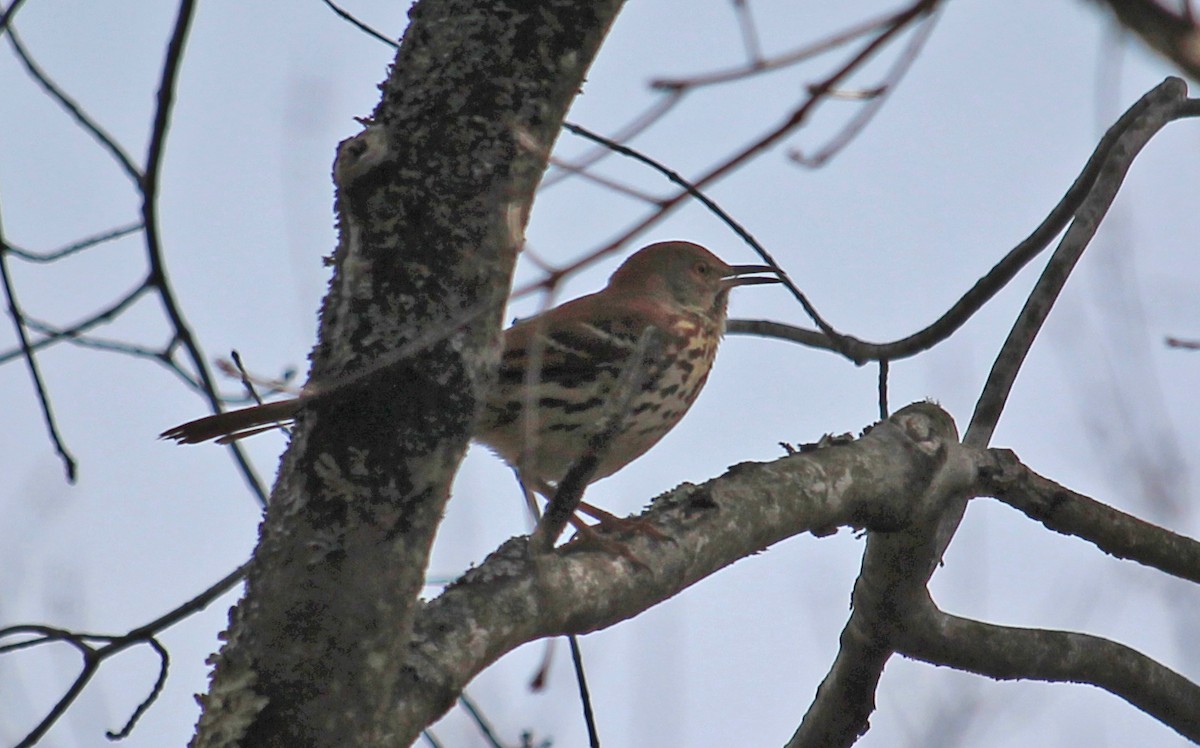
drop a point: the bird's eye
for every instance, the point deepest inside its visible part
(702, 270)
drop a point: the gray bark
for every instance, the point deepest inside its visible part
(432, 203)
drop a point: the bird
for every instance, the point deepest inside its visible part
(559, 369)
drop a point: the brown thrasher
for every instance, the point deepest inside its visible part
(540, 421)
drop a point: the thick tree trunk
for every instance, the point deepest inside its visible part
(433, 199)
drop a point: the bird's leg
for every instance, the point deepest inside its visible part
(586, 536)
(605, 521)
(609, 522)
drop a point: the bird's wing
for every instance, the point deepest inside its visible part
(577, 341)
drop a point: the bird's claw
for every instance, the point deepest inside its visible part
(611, 523)
(588, 538)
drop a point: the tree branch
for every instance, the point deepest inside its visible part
(432, 202)
(1111, 158)
(516, 596)
(1063, 510)
(896, 567)
(1174, 35)
(1010, 653)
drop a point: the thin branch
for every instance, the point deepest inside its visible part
(164, 664)
(618, 187)
(585, 698)
(720, 212)
(65, 334)
(636, 126)
(800, 54)
(94, 657)
(1063, 510)
(162, 356)
(1165, 103)
(883, 388)
(750, 41)
(879, 96)
(485, 727)
(107, 141)
(6, 16)
(817, 94)
(431, 739)
(158, 275)
(73, 248)
(991, 283)
(27, 352)
(1009, 653)
(1190, 345)
(346, 16)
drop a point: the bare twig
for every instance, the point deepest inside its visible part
(75, 247)
(93, 657)
(750, 40)
(741, 231)
(990, 284)
(65, 334)
(611, 184)
(817, 93)
(346, 16)
(883, 388)
(875, 100)
(158, 275)
(637, 125)
(27, 352)
(93, 128)
(1190, 345)
(6, 16)
(163, 356)
(589, 718)
(800, 54)
(485, 727)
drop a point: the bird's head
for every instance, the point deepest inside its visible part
(687, 274)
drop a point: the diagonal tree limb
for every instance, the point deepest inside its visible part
(1004, 477)
(516, 596)
(1011, 653)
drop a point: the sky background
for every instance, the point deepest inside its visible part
(994, 121)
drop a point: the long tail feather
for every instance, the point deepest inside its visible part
(234, 425)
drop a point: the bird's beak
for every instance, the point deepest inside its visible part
(739, 275)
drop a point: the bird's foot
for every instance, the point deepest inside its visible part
(610, 523)
(588, 538)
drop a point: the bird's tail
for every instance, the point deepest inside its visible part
(234, 425)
